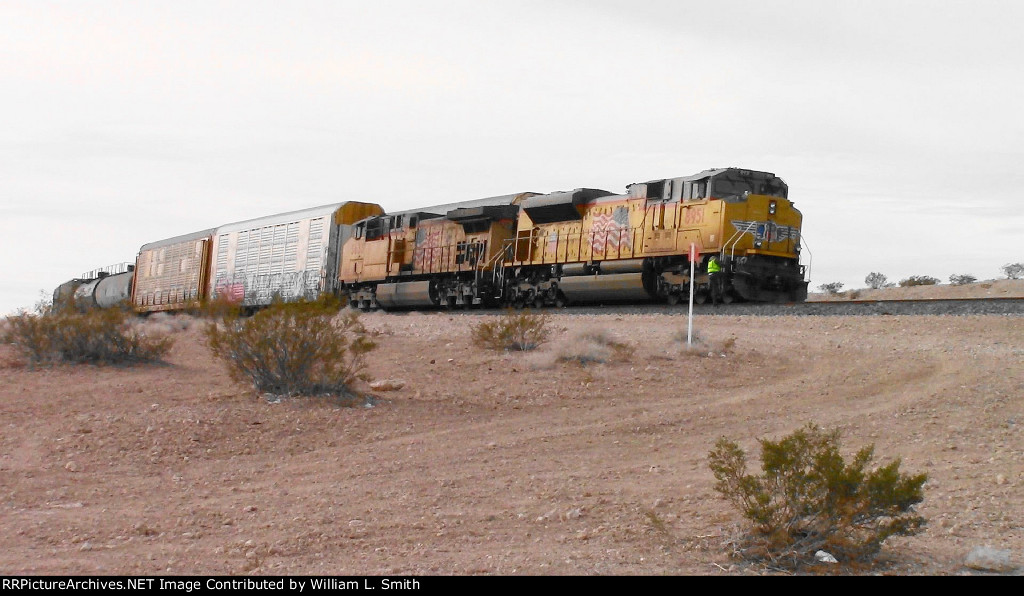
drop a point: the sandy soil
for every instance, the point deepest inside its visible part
(498, 463)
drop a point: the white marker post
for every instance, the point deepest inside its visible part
(689, 317)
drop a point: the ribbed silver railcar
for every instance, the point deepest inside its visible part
(288, 256)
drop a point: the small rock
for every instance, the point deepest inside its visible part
(387, 385)
(71, 466)
(824, 557)
(1000, 479)
(986, 558)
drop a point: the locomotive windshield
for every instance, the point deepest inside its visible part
(732, 185)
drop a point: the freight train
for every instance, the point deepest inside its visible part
(522, 249)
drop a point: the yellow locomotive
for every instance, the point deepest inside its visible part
(585, 245)
(445, 255)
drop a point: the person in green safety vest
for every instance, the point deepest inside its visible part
(715, 280)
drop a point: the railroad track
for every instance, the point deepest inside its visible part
(948, 306)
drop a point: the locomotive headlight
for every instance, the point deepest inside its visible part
(757, 244)
(771, 207)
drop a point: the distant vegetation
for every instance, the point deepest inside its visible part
(831, 288)
(1013, 270)
(962, 280)
(918, 280)
(876, 281)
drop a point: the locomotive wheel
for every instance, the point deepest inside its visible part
(700, 298)
(727, 299)
(538, 302)
(560, 300)
(673, 299)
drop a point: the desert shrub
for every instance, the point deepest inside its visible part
(217, 309)
(512, 331)
(876, 280)
(164, 323)
(831, 288)
(962, 280)
(1013, 270)
(592, 346)
(290, 349)
(808, 498)
(918, 280)
(65, 334)
(853, 294)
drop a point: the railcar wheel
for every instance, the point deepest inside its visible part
(560, 300)
(673, 299)
(700, 298)
(538, 302)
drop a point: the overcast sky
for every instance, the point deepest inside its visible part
(897, 124)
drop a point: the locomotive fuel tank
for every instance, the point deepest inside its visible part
(408, 294)
(615, 287)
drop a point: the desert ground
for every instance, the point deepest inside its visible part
(487, 462)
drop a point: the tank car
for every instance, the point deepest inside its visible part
(64, 293)
(102, 288)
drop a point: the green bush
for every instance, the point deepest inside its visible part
(962, 280)
(809, 499)
(303, 348)
(831, 288)
(918, 280)
(513, 331)
(64, 334)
